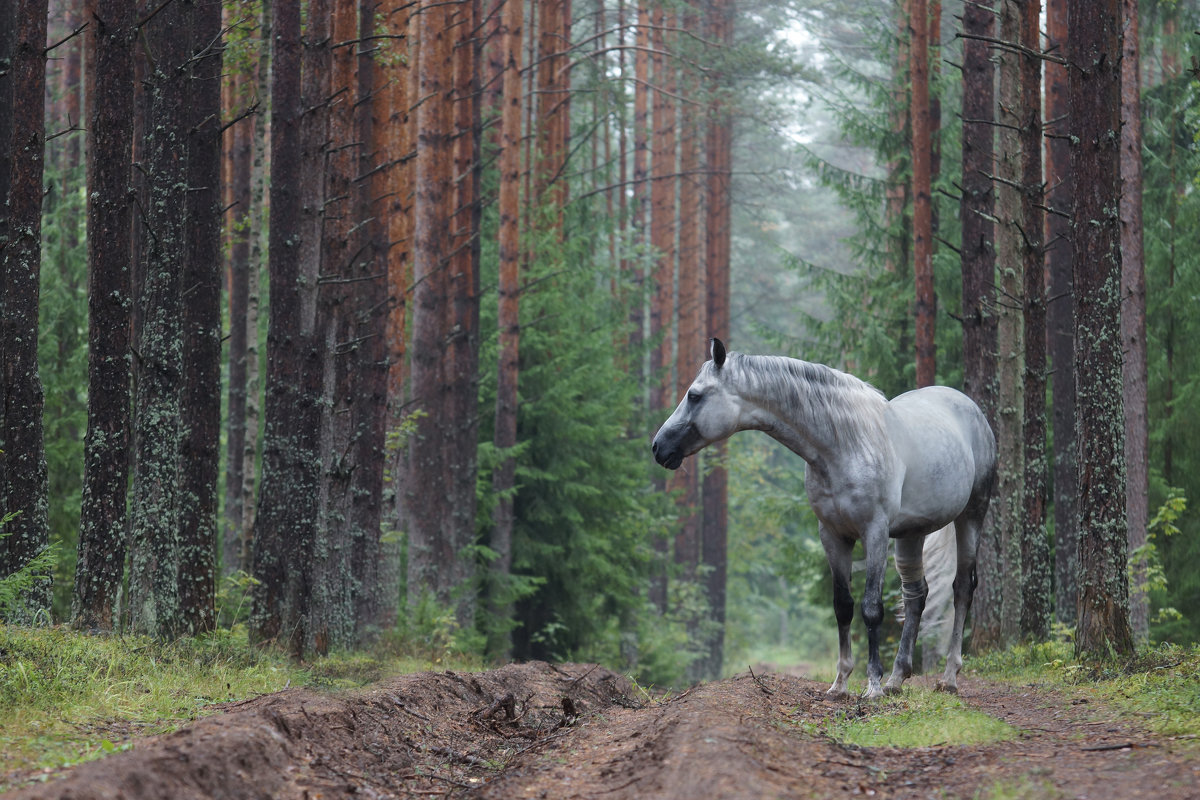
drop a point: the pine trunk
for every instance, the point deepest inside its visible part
(23, 477)
(1036, 599)
(100, 563)
(239, 156)
(370, 410)
(1133, 318)
(201, 396)
(286, 510)
(437, 562)
(155, 532)
(330, 597)
(1094, 99)
(1060, 319)
(258, 234)
(509, 319)
(922, 190)
(978, 273)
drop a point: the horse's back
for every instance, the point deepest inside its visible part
(948, 450)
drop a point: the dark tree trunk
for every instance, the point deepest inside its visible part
(100, 563)
(286, 507)
(370, 408)
(202, 329)
(1036, 598)
(155, 539)
(978, 271)
(1133, 317)
(1060, 319)
(922, 146)
(23, 478)
(1094, 99)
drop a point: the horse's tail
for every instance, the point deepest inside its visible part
(940, 556)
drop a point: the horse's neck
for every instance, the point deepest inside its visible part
(810, 408)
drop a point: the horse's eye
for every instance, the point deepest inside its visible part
(695, 397)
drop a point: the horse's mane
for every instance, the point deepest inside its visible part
(852, 409)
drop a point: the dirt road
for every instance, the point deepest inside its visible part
(580, 731)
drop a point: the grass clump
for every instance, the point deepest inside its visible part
(917, 718)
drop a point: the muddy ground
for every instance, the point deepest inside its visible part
(580, 731)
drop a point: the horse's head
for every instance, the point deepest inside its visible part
(709, 412)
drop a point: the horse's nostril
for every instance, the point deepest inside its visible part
(654, 447)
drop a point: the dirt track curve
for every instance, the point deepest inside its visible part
(576, 731)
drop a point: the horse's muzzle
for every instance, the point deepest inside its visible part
(665, 455)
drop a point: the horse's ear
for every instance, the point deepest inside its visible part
(718, 352)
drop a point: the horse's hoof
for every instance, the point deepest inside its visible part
(890, 689)
(835, 694)
(873, 694)
(948, 688)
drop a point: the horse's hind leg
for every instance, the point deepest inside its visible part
(838, 551)
(966, 531)
(910, 565)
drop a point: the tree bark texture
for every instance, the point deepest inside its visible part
(330, 595)
(100, 561)
(239, 155)
(922, 191)
(978, 275)
(1036, 598)
(1133, 317)
(201, 396)
(1094, 83)
(23, 477)
(370, 322)
(155, 534)
(286, 507)
(1060, 318)
(258, 233)
(440, 522)
(509, 318)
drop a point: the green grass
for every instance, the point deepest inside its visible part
(916, 718)
(1026, 788)
(66, 697)
(1159, 687)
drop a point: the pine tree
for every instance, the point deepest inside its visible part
(1094, 107)
(201, 389)
(23, 478)
(154, 595)
(100, 564)
(1060, 317)
(1133, 315)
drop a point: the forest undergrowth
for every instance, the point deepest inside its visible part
(67, 698)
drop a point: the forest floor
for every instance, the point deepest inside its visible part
(538, 730)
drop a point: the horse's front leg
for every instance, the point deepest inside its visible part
(875, 542)
(839, 553)
(910, 565)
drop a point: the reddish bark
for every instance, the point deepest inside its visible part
(926, 302)
(1133, 314)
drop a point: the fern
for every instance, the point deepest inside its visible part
(14, 588)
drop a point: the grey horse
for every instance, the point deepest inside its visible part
(876, 469)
